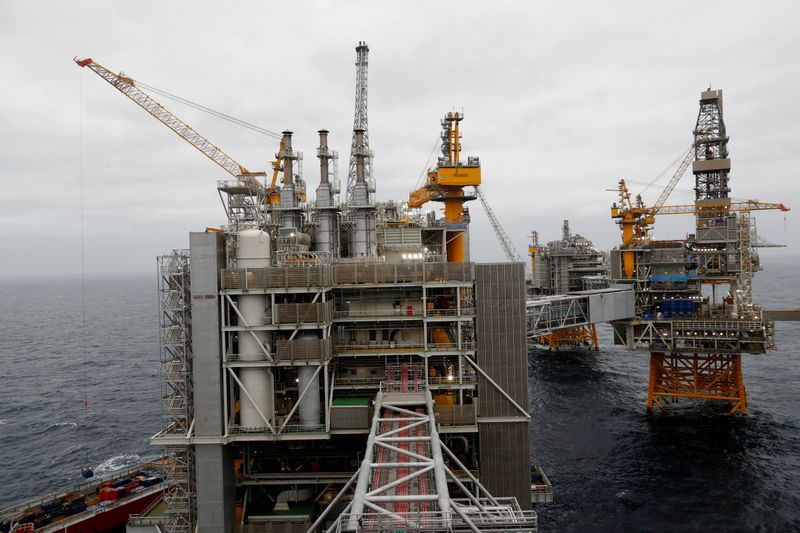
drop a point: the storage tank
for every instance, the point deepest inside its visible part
(254, 251)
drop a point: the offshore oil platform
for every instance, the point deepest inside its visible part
(569, 266)
(341, 365)
(695, 332)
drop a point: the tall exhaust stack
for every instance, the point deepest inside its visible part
(362, 240)
(290, 219)
(327, 241)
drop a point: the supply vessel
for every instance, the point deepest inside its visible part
(102, 504)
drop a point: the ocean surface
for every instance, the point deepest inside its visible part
(613, 468)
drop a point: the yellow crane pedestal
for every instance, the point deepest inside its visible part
(446, 183)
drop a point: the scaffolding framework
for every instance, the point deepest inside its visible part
(176, 387)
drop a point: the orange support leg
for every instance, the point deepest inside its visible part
(581, 336)
(696, 376)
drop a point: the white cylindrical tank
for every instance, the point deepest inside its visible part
(309, 409)
(257, 381)
(253, 251)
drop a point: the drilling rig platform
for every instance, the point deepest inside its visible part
(694, 307)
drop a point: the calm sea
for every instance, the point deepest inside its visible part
(612, 467)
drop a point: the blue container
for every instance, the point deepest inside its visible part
(120, 482)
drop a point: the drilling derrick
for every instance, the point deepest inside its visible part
(696, 337)
(360, 123)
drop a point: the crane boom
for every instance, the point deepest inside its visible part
(687, 159)
(422, 196)
(720, 207)
(508, 248)
(126, 86)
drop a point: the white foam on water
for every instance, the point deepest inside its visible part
(63, 424)
(118, 462)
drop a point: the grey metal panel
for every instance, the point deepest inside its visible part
(608, 306)
(616, 264)
(505, 460)
(710, 165)
(213, 463)
(216, 489)
(206, 251)
(502, 352)
(792, 315)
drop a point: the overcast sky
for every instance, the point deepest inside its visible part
(561, 100)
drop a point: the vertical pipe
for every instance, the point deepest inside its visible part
(325, 238)
(287, 160)
(324, 156)
(440, 476)
(360, 175)
(456, 141)
(288, 195)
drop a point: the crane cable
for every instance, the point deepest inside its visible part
(663, 172)
(83, 261)
(213, 112)
(422, 174)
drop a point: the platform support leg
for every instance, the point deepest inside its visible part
(696, 376)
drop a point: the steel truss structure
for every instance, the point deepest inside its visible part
(711, 143)
(176, 387)
(580, 336)
(700, 376)
(360, 122)
(402, 483)
(505, 242)
(128, 87)
(546, 315)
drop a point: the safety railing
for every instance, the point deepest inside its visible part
(402, 312)
(303, 349)
(384, 346)
(235, 429)
(423, 521)
(304, 313)
(455, 415)
(464, 311)
(323, 275)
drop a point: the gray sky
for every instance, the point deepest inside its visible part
(561, 100)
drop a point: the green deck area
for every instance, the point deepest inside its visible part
(260, 510)
(157, 511)
(352, 402)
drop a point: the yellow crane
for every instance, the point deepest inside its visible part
(128, 87)
(635, 218)
(533, 250)
(446, 183)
